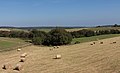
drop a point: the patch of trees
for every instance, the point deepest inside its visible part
(57, 36)
(4, 33)
(14, 34)
(115, 25)
(88, 33)
(37, 37)
(82, 33)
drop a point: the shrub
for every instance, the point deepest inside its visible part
(89, 33)
(37, 33)
(37, 40)
(82, 33)
(58, 36)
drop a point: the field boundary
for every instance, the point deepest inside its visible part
(18, 47)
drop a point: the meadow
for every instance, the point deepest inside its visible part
(7, 44)
(94, 38)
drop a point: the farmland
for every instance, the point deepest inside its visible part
(59, 36)
(77, 29)
(10, 43)
(79, 58)
(76, 58)
(104, 28)
(94, 38)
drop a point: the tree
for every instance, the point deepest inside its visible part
(115, 25)
(37, 33)
(37, 37)
(58, 36)
(37, 41)
(89, 33)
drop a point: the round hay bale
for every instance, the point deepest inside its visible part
(58, 57)
(54, 46)
(114, 42)
(57, 46)
(6, 66)
(51, 49)
(18, 49)
(93, 42)
(22, 60)
(18, 67)
(101, 42)
(23, 55)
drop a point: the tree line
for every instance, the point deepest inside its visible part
(88, 33)
(57, 36)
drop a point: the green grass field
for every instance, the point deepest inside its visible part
(94, 38)
(10, 43)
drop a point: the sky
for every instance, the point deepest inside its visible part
(30, 13)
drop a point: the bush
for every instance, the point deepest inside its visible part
(89, 33)
(114, 31)
(37, 37)
(37, 33)
(37, 40)
(58, 36)
(82, 33)
(47, 40)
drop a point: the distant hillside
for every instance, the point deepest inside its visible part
(115, 25)
(39, 27)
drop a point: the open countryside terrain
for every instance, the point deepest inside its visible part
(104, 28)
(67, 29)
(77, 29)
(79, 58)
(93, 38)
(7, 44)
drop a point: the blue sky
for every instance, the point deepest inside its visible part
(59, 12)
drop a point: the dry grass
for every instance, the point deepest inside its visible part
(79, 58)
(75, 29)
(4, 29)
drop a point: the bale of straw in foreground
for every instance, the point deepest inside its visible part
(114, 42)
(18, 67)
(6, 66)
(93, 42)
(23, 55)
(58, 57)
(22, 60)
(18, 49)
(101, 42)
(57, 46)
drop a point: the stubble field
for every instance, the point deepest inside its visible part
(79, 58)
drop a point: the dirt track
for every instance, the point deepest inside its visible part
(79, 58)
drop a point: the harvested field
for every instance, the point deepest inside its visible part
(79, 58)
